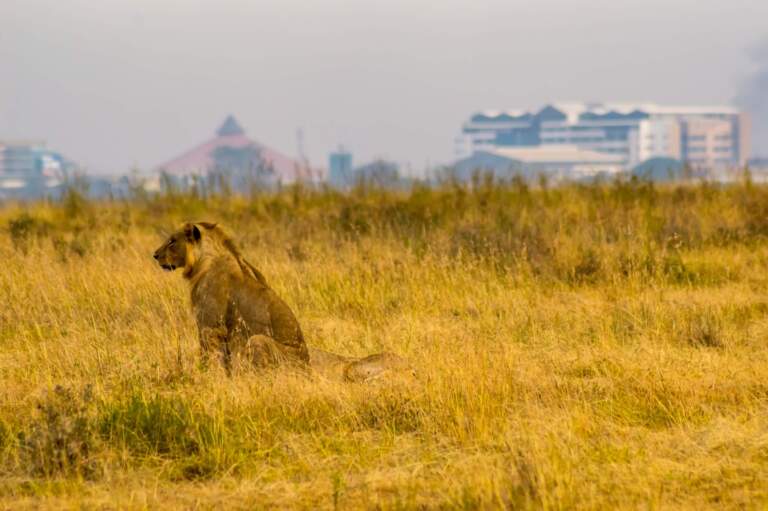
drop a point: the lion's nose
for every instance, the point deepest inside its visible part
(156, 256)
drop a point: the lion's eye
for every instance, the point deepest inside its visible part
(171, 243)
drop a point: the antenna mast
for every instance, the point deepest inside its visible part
(304, 171)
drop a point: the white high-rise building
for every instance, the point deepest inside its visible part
(700, 136)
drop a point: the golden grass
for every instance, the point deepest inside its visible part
(577, 348)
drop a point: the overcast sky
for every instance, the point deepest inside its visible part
(115, 84)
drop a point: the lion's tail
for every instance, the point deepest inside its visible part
(359, 370)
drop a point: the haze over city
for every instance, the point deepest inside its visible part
(119, 84)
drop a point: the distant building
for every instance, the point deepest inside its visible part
(29, 170)
(663, 169)
(758, 167)
(378, 172)
(232, 155)
(340, 167)
(699, 136)
(557, 161)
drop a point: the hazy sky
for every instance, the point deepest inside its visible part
(114, 84)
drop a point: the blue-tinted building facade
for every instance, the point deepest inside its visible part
(29, 170)
(636, 132)
(340, 168)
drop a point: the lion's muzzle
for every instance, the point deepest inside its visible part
(162, 262)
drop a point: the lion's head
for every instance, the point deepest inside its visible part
(177, 250)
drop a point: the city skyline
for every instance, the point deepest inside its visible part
(388, 80)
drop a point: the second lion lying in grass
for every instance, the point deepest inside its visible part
(240, 318)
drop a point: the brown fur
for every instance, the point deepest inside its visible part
(240, 318)
(237, 313)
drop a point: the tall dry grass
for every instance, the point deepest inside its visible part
(581, 347)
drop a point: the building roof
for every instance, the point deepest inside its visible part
(230, 127)
(377, 165)
(573, 111)
(556, 154)
(564, 161)
(659, 169)
(693, 110)
(199, 159)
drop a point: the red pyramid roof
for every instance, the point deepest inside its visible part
(199, 160)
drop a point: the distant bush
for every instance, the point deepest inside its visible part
(577, 234)
(63, 438)
(24, 229)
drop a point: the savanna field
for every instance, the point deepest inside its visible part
(577, 347)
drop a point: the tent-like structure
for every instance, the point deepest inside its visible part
(660, 169)
(232, 152)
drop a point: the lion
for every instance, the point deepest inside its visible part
(239, 317)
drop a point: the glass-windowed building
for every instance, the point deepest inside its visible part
(28, 169)
(340, 167)
(699, 136)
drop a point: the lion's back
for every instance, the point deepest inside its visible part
(249, 305)
(262, 311)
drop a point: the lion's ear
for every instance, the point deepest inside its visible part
(192, 233)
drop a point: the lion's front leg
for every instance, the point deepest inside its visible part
(262, 351)
(213, 344)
